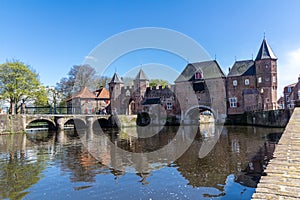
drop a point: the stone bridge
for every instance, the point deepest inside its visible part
(59, 121)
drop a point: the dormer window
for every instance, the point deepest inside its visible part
(198, 75)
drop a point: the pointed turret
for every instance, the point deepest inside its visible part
(141, 82)
(116, 79)
(266, 76)
(265, 51)
(141, 76)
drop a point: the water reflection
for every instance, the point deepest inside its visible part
(19, 168)
(240, 156)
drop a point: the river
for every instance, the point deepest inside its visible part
(86, 165)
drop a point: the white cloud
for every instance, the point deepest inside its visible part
(288, 69)
(90, 58)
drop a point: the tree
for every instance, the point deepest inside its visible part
(158, 82)
(19, 82)
(80, 76)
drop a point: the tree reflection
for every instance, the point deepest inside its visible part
(18, 169)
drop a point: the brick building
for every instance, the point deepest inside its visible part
(291, 93)
(200, 85)
(87, 102)
(252, 85)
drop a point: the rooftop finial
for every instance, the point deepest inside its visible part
(264, 35)
(215, 56)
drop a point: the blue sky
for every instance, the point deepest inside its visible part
(52, 36)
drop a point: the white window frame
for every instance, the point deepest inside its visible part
(169, 105)
(267, 66)
(259, 79)
(298, 94)
(234, 82)
(274, 79)
(247, 81)
(233, 102)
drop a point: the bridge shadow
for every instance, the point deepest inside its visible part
(111, 122)
(76, 124)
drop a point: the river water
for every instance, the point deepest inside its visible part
(62, 165)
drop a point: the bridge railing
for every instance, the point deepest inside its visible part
(51, 110)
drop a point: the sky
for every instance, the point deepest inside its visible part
(52, 36)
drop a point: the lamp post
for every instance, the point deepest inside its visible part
(262, 98)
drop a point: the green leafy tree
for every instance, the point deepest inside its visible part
(18, 84)
(158, 82)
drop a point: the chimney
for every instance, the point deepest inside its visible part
(299, 78)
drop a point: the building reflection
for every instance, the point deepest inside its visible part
(235, 154)
(241, 151)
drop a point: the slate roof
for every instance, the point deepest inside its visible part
(116, 79)
(265, 51)
(85, 93)
(141, 76)
(291, 85)
(244, 67)
(209, 69)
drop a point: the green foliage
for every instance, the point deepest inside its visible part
(41, 98)
(158, 82)
(19, 82)
(17, 175)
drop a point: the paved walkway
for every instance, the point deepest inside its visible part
(283, 171)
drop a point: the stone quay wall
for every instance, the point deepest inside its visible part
(11, 124)
(283, 171)
(271, 118)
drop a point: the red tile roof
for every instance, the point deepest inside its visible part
(102, 93)
(85, 93)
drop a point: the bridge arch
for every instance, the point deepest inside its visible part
(194, 111)
(76, 122)
(51, 124)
